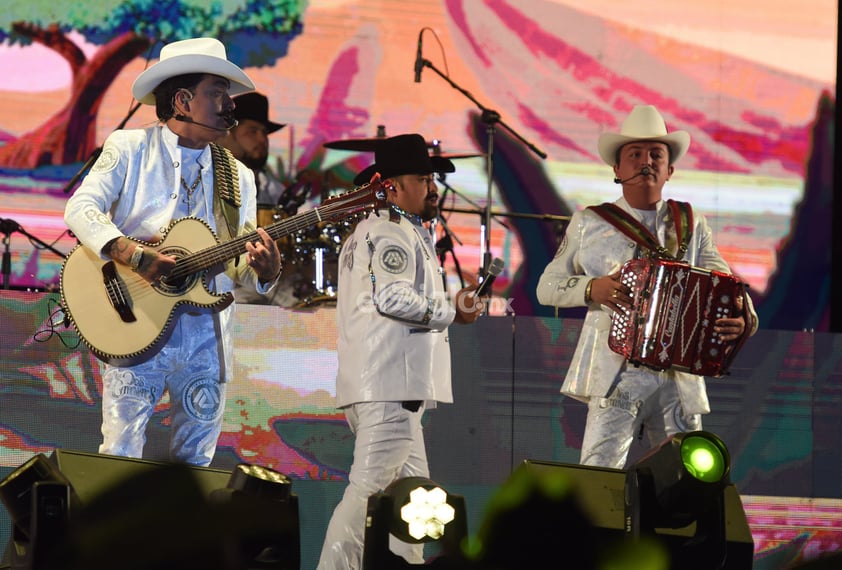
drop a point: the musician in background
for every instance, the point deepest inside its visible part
(143, 180)
(392, 315)
(248, 141)
(623, 399)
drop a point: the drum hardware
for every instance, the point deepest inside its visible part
(312, 256)
(316, 278)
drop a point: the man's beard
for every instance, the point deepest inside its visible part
(429, 212)
(255, 163)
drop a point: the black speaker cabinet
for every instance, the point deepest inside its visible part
(601, 492)
(92, 473)
(135, 513)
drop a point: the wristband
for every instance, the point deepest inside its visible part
(588, 287)
(136, 258)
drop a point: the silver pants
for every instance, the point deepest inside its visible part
(188, 367)
(639, 397)
(389, 445)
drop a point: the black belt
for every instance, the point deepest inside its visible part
(411, 405)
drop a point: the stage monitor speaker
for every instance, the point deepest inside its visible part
(600, 493)
(92, 473)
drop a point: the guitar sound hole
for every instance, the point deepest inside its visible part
(177, 284)
(176, 287)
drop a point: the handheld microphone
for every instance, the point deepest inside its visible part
(495, 268)
(185, 119)
(643, 172)
(419, 59)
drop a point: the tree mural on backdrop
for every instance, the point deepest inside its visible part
(255, 32)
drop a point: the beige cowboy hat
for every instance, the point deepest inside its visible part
(197, 55)
(643, 123)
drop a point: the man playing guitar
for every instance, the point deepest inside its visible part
(143, 181)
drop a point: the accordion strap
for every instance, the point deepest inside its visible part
(682, 215)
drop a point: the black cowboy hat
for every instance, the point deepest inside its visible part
(403, 154)
(255, 106)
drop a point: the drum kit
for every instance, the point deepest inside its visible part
(311, 255)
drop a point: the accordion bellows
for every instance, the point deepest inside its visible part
(670, 323)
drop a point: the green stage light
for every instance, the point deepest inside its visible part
(704, 458)
(681, 483)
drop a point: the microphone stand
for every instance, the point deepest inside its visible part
(546, 217)
(445, 244)
(8, 227)
(479, 209)
(491, 119)
(97, 151)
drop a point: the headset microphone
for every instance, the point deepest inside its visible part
(185, 119)
(645, 171)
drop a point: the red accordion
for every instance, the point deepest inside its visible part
(670, 323)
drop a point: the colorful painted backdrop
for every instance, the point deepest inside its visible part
(757, 99)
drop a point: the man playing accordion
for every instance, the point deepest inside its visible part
(623, 397)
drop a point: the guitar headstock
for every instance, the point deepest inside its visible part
(368, 197)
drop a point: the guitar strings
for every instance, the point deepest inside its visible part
(221, 252)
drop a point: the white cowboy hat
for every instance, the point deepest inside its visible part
(643, 123)
(197, 55)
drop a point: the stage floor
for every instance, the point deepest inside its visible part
(779, 412)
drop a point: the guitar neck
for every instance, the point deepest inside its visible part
(208, 257)
(364, 198)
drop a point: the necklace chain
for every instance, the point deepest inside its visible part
(190, 189)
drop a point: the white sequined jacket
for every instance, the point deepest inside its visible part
(592, 248)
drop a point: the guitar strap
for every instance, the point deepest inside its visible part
(682, 214)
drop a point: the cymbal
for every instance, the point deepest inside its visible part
(363, 145)
(455, 156)
(359, 145)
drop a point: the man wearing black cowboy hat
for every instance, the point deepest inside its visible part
(248, 141)
(392, 315)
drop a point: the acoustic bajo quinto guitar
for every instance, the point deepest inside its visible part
(124, 319)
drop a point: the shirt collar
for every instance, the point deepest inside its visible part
(171, 141)
(414, 218)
